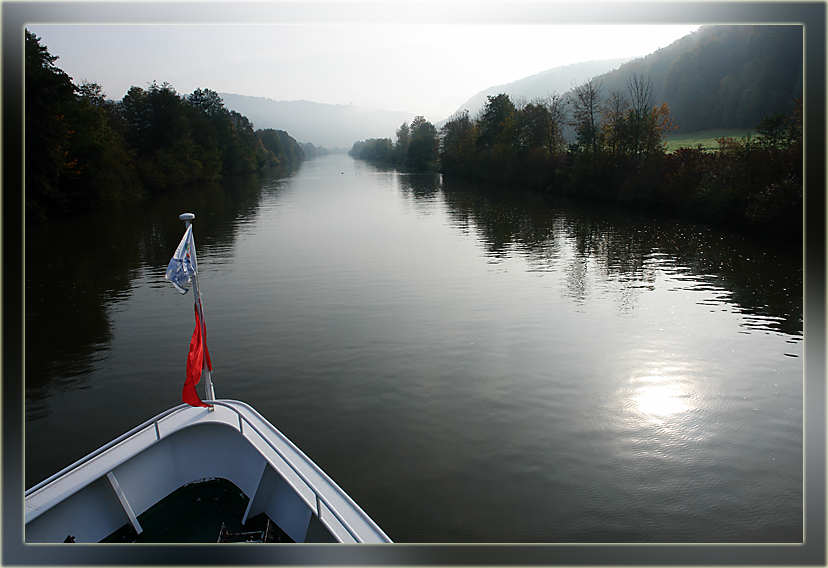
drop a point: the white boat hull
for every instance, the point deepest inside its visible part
(112, 486)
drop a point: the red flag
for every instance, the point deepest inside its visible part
(195, 363)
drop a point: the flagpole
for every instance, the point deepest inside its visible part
(205, 369)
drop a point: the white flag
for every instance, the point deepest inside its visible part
(183, 266)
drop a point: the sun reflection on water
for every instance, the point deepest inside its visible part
(660, 392)
(660, 400)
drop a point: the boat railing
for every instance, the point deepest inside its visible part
(320, 499)
(154, 422)
(109, 445)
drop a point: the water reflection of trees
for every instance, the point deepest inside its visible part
(626, 250)
(420, 185)
(78, 268)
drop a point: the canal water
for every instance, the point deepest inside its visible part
(469, 364)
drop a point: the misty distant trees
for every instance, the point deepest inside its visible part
(84, 151)
(374, 150)
(416, 146)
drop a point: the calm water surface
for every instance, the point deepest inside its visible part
(469, 366)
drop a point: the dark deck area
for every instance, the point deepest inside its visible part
(195, 513)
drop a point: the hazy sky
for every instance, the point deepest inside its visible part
(421, 68)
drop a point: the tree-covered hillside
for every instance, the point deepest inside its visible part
(555, 80)
(722, 76)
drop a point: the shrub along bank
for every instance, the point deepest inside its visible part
(619, 155)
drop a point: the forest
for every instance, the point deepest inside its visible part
(605, 138)
(619, 156)
(723, 76)
(85, 152)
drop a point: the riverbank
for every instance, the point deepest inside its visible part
(719, 189)
(620, 157)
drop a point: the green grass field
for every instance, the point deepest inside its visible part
(707, 138)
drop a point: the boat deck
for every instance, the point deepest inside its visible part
(195, 513)
(182, 446)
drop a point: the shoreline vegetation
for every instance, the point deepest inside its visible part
(620, 155)
(86, 152)
(604, 139)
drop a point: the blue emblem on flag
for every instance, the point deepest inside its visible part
(183, 266)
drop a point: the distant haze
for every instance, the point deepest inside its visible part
(320, 124)
(342, 125)
(419, 69)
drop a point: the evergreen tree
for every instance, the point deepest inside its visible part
(423, 146)
(495, 118)
(102, 172)
(49, 96)
(74, 159)
(401, 145)
(457, 144)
